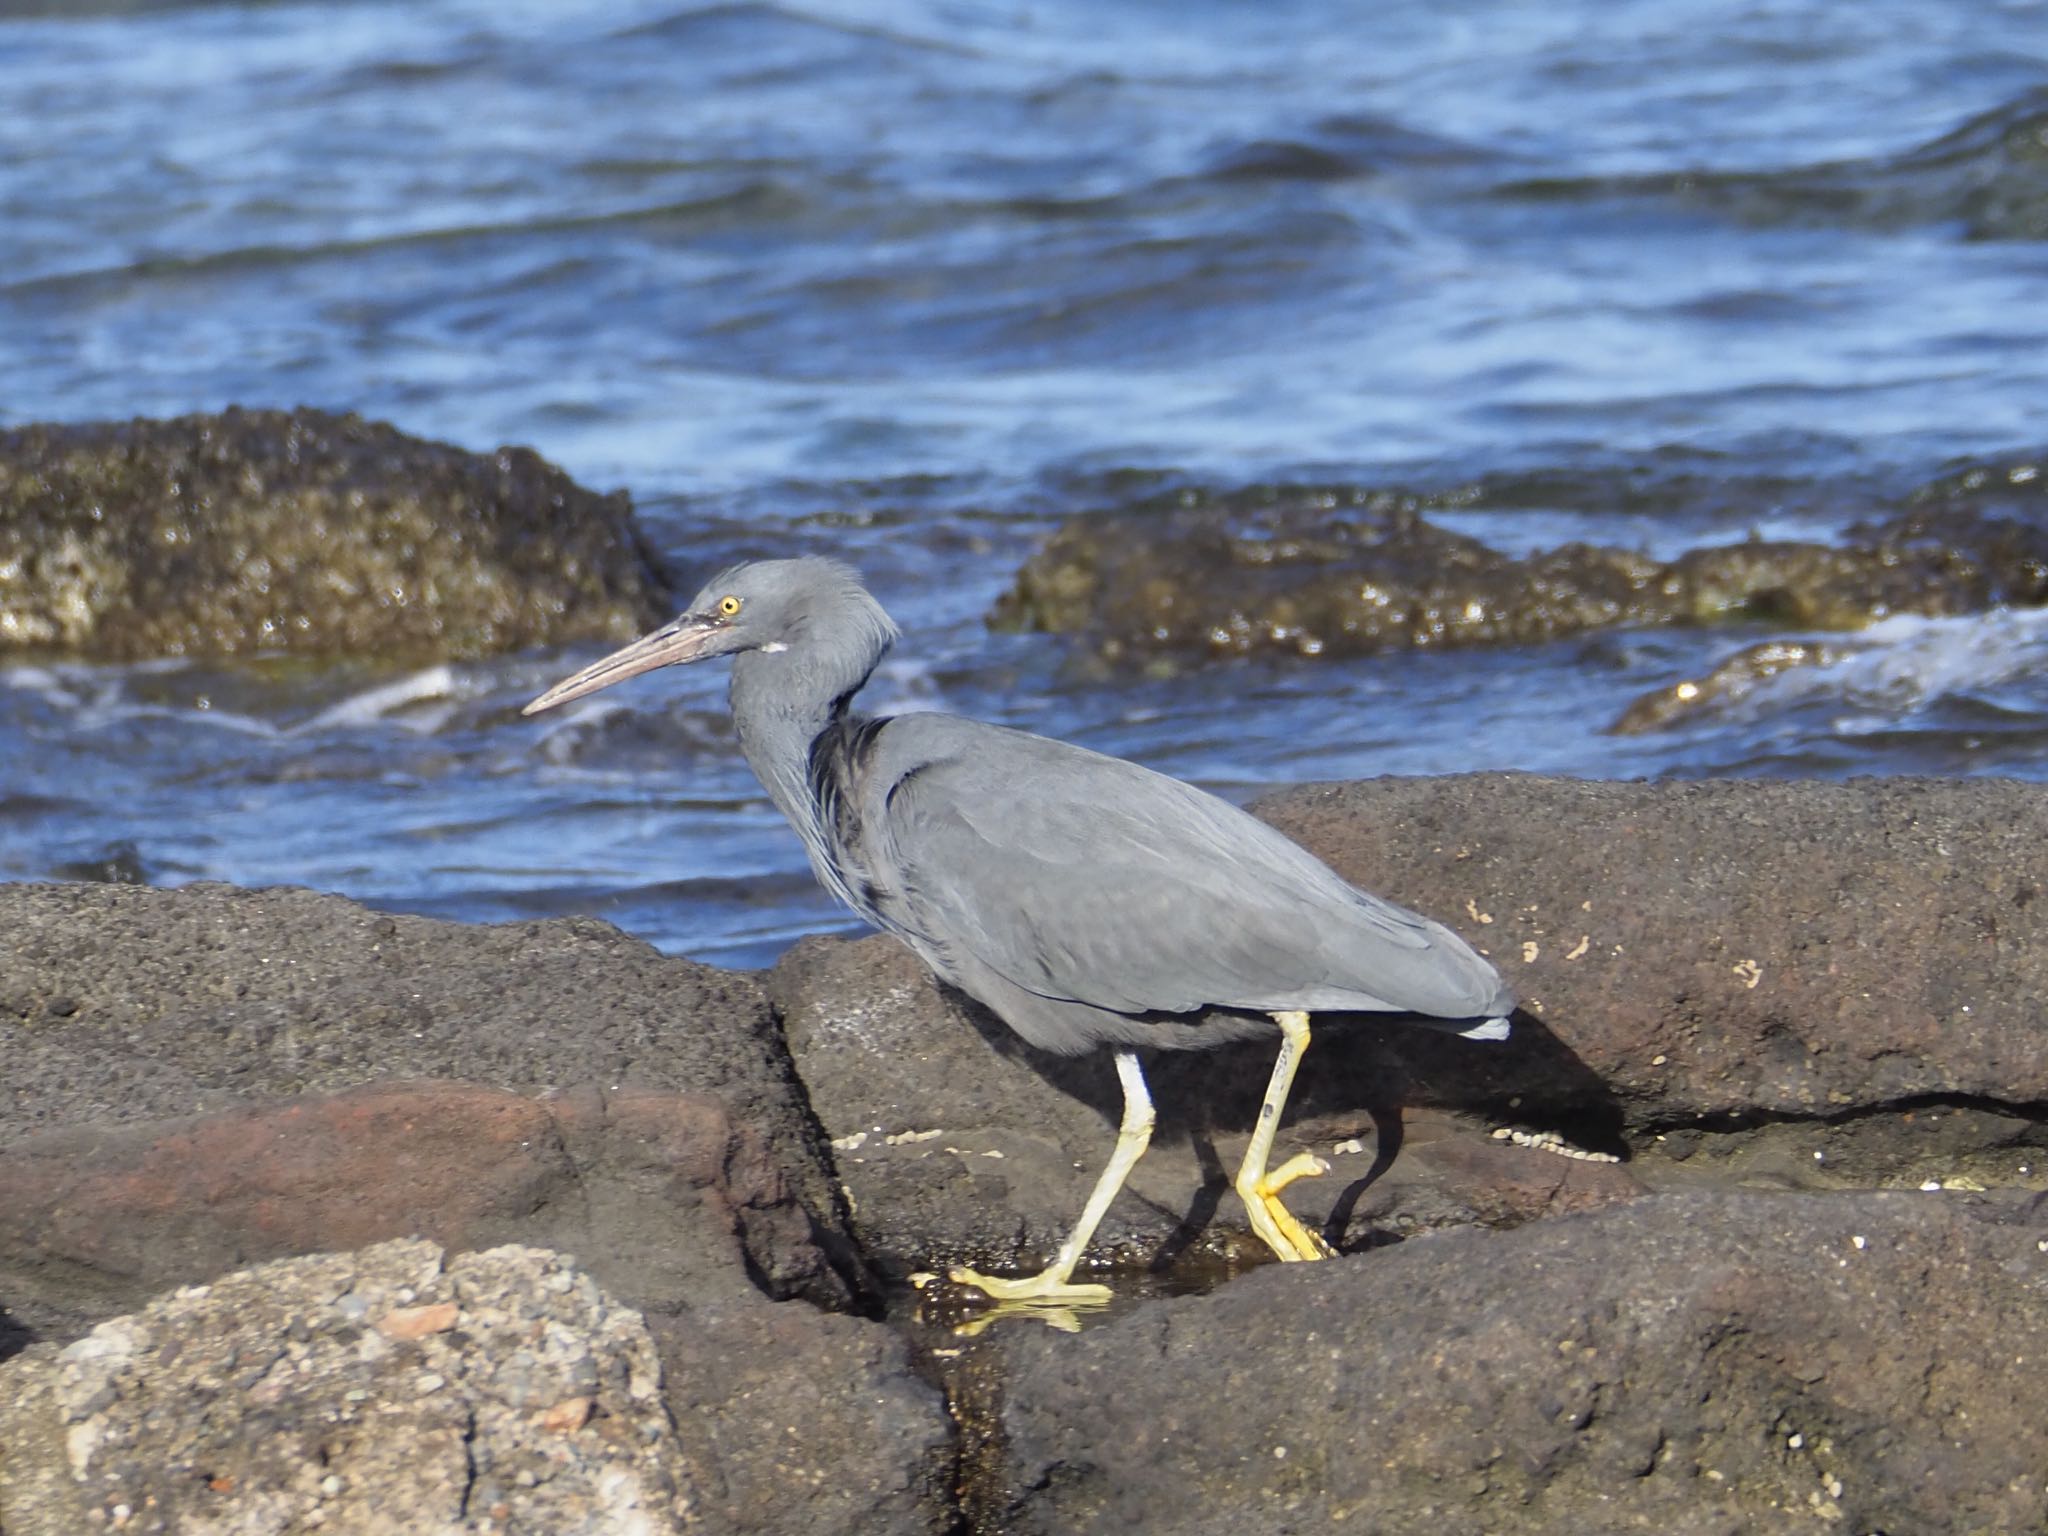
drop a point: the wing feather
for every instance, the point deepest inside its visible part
(1084, 877)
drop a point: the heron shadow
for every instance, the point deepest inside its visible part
(1364, 1069)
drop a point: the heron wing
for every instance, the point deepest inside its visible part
(1089, 878)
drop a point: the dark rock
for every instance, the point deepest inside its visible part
(1305, 572)
(1727, 682)
(950, 1145)
(660, 1195)
(127, 1008)
(1738, 949)
(1987, 178)
(1689, 1364)
(304, 532)
(814, 1423)
(207, 996)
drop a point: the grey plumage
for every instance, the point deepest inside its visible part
(1084, 899)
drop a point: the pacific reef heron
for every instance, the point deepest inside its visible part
(1085, 900)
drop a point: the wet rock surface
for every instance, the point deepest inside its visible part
(1728, 681)
(1772, 1000)
(1693, 1364)
(307, 533)
(812, 1421)
(1340, 571)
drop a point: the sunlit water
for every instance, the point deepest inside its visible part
(908, 282)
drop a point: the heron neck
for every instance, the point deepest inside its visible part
(781, 704)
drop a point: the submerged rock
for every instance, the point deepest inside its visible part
(308, 533)
(1664, 708)
(1986, 178)
(1311, 573)
(1989, 177)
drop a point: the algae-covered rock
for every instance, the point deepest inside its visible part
(304, 532)
(1310, 573)
(1728, 680)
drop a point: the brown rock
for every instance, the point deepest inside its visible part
(1721, 949)
(1341, 571)
(418, 1322)
(661, 1195)
(567, 1416)
(208, 997)
(1690, 1364)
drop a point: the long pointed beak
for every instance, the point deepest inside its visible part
(683, 639)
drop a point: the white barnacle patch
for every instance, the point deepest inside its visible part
(1550, 1141)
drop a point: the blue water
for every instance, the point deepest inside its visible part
(909, 282)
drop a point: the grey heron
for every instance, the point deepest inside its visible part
(1085, 900)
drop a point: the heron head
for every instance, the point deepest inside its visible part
(763, 605)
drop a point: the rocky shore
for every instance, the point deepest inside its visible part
(309, 1213)
(315, 1217)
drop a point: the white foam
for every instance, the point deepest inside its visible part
(1899, 664)
(386, 699)
(50, 682)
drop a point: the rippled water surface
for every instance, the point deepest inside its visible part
(909, 282)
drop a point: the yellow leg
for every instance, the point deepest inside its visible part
(1260, 1190)
(1132, 1137)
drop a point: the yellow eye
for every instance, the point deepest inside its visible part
(728, 606)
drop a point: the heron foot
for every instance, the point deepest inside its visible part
(1063, 1316)
(1049, 1285)
(1277, 1226)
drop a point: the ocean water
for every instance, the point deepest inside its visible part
(909, 283)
